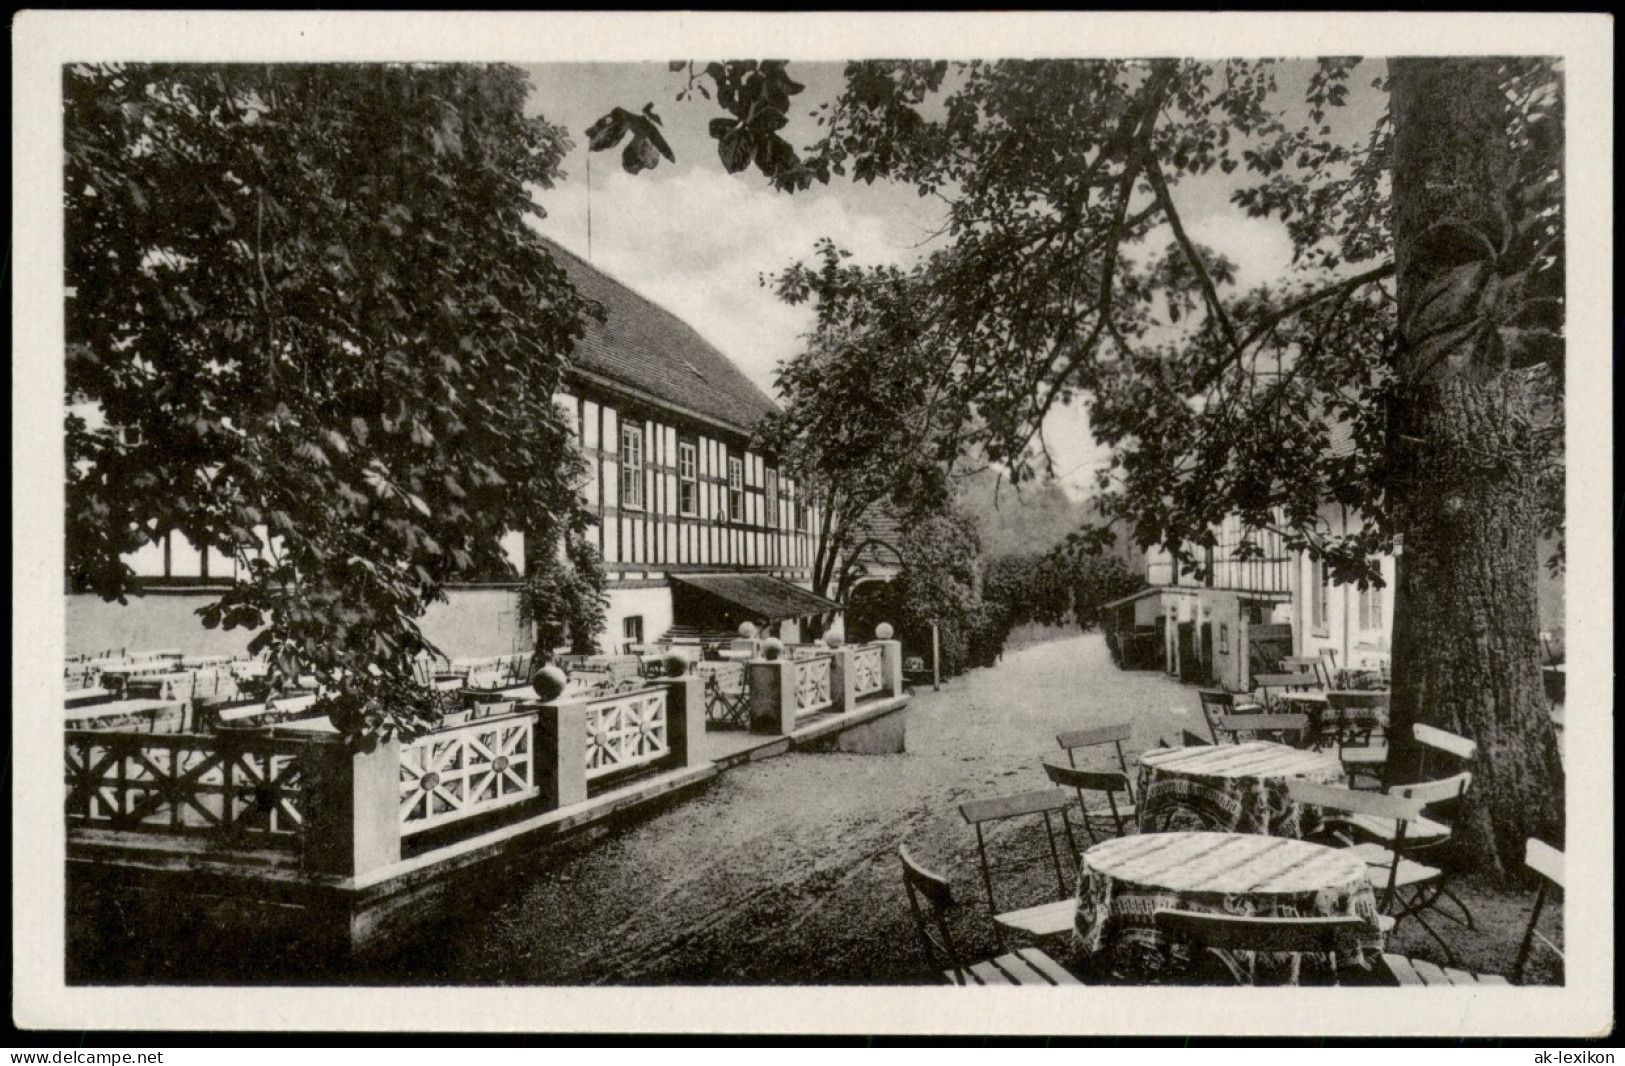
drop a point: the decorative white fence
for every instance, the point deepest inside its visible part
(468, 770)
(868, 670)
(626, 731)
(231, 785)
(813, 684)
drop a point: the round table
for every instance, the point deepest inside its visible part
(1236, 788)
(1125, 881)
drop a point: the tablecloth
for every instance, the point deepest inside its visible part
(1236, 788)
(1124, 882)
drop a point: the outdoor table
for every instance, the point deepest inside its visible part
(1236, 788)
(80, 697)
(141, 715)
(1125, 881)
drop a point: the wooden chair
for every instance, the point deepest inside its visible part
(1026, 966)
(1408, 884)
(1223, 935)
(1423, 834)
(1218, 701)
(1360, 756)
(1403, 971)
(1546, 861)
(1114, 734)
(1284, 728)
(727, 693)
(1435, 741)
(1293, 682)
(1113, 820)
(1046, 919)
(1308, 664)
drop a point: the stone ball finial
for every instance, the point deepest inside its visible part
(549, 683)
(772, 648)
(747, 629)
(883, 631)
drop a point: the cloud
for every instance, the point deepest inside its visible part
(697, 240)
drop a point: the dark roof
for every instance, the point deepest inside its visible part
(764, 596)
(646, 347)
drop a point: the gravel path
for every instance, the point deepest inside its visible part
(785, 871)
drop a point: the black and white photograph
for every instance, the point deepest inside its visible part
(918, 523)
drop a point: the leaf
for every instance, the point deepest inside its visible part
(735, 150)
(677, 66)
(607, 131)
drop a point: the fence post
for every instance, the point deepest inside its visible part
(891, 666)
(685, 717)
(561, 753)
(772, 696)
(843, 681)
(353, 807)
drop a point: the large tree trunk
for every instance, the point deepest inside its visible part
(1466, 622)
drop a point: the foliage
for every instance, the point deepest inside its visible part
(563, 596)
(1070, 274)
(1054, 587)
(1407, 368)
(938, 585)
(324, 341)
(858, 428)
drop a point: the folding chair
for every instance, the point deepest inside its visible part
(1047, 919)
(1025, 966)
(1546, 861)
(1423, 833)
(1282, 728)
(1218, 701)
(1226, 936)
(1308, 664)
(1399, 873)
(1115, 818)
(1355, 721)
(1099, 736)
(1295, 682)
(727, 693)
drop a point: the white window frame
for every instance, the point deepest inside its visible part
(632, 464)
(736, 488)
(688, 481)
(770, 502)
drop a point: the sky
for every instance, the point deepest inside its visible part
(698, 240)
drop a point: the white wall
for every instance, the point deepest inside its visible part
(653, 604)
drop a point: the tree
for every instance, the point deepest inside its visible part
(858, 428)
(324, 341)
(938, 586)
(1408, 368)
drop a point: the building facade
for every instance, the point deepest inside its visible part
(683, 502)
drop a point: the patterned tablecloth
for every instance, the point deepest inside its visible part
(1236, 788)
(1125, 881)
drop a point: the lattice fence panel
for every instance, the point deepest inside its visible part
(627, 731)
(868, 671)
(458, 773)
(813, 685)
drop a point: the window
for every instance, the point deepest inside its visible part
(631, 464)
(688, 487)
(1371, 607)
(632, 628)
(736, 489)
(1317, 597)
(1224, 639)
(801, 516)
(772, 503)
